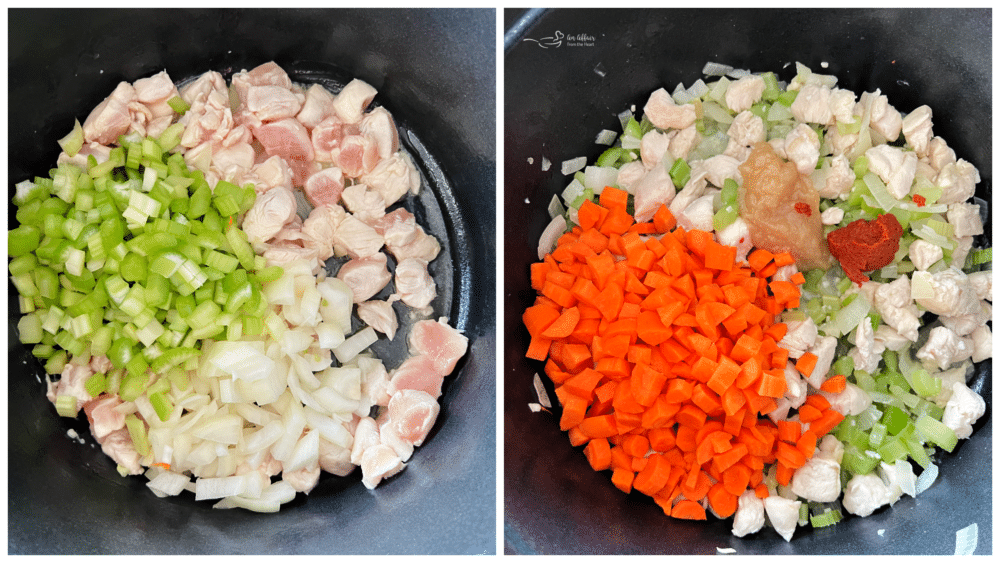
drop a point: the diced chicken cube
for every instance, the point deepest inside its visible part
(271, 103)
(924, 254)
(270, 212)
(154, 91)
(286, 138)
(964, 408)
(897, 309)
(412, 414)
(896, 167)
(944, 347)
(851, 401)
(982, 283)
(917, 129)
(818, 480)
(365, 276)
(629, 175)
(363, 202)
(652, 148)
(441, 342)
(655, 188)
(302, 480)
(104, 418)
(685, 140)
(812, 104)
(350, 103)
(665, 114)
(393, 177)
(325, 187)
(317, 107)
(744, 132)
(357, 239)
(836, 180)
(736, 234)
(799, 337)
(842, 104)
(963, 325)
(939, 154)
(783, 514)
(414, 284)
(326, 137)
(335, 459)
(982, 343)
(867, 352)
(380, 316)
(358, 155)
(118, 446)
(743, 93)
(379, 462)
(366, 436)
(802, 148)
(72, 382)
(953, 293)
(418, 373)
(379, 127)
(111, 117)
(965, 218)
(864, 494)
(825, 349)
(720, 168)
(749, 517)
(885, 120)
(698, 215)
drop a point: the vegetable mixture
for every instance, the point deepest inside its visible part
(764, 301)
(172, 273)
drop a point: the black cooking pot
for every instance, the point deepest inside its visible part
(567, 74)
(435, 72)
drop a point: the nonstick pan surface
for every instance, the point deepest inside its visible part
(568, 73)
(435, 72)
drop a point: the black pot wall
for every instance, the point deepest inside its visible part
(556, 101)
(435, 71)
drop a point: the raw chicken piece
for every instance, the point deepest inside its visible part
(71, 382)
(802, 148)
(415, 286)
(684, 141)
(104, 418)
(350, 103)
(885, 120)
(379, 462)
(366, 276)
(286, 138)
(232, 162)
(111, 117)
(210, 118)
(917, 129)
(154, 91)
(325, 187)
(380, 316)
(365, 437)
(357, 239)
(664, 113)
(100, 364)
(737, 234)
(320, 229)
(653, 146)
(417, 373)
(842, 104)
(656, 188)
(812, 105)
(267, 74)
(118, 446)
(719, 168)
(412, 414)
(302, 480)
(965, 218)
(963, 410)
(326, 137)
(744, 93)
(271, 103)
(894, 166)
(358, 155)
(363, 202)
(939, 154)
(834, 180)
(379, 127)
(398, 227)
(284, 253)
(272, 173)
(317, 107)
(439, 341)
(271, 211)
(958, 180)
(744, 132)
(374, 381)
(698, 215)
(421, 246)
(335, 459)
(387, 433)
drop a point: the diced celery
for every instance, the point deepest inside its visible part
(66, 405)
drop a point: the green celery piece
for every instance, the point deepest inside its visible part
(23, 240)
(680, 172)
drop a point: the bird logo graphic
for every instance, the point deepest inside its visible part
(546, 42)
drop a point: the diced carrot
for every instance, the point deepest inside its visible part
(574, 409)
(590, 215)
(664, 220)
(834, 385)
(598, 453)
(623, 478)
(564, 325)
(723, 502)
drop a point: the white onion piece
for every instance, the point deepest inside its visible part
(168, 483)
(550, 235)
(263, 438)
(355, 344)
(222, 429)
(329, 429)
(305, 453)
(219, 487)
